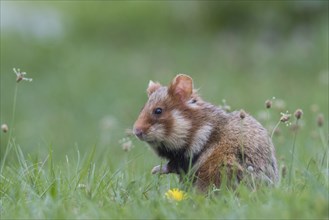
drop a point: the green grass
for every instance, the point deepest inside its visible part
(65, 156)
(87, 187)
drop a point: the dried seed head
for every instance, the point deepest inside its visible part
(268, 103)
(320, 120)
(285, 117)
(4, 128)
(242, 114)
(298, 113)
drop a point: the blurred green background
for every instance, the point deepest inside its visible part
(91, 62)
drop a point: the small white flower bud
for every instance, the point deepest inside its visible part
(250, 168)
(4, 128)
(242, 114)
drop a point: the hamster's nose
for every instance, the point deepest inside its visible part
(139, 133)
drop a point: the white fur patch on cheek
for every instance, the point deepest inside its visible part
(157, 133)
(200, 139)
(180, 130)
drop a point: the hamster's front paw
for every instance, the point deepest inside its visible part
(161, 169)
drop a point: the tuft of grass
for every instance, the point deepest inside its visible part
(84, 188)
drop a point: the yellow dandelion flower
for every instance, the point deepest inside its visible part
(175, 194)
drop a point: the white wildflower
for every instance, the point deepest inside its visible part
(20, 76)
(126, 144)
(4, 128)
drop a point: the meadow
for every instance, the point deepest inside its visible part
(67, 152)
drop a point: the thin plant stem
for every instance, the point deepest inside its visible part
(11, 128)
(293, 154)
(268, 115)
(325, 144)
(275, 127)
(241, 140)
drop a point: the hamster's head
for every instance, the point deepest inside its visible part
(165, 119)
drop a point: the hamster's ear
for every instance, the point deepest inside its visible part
(181, 87)
(152, 87)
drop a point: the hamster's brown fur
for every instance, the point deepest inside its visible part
(194, 135)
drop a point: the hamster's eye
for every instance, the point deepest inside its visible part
(157, 111)
(192, 101)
